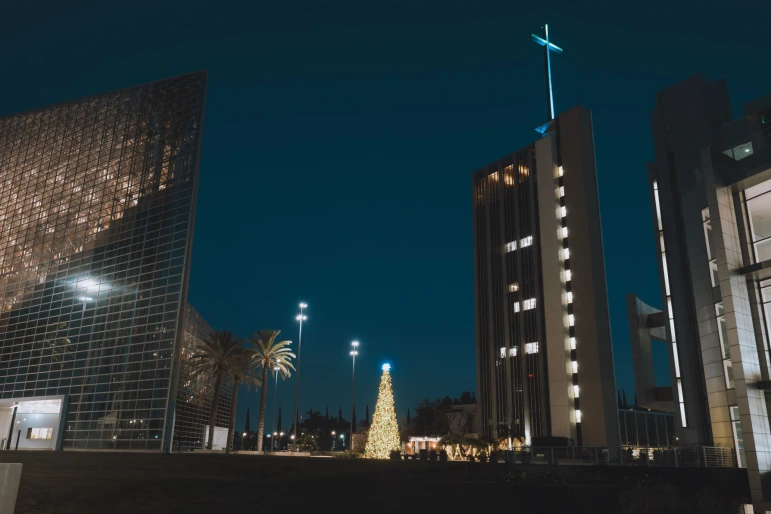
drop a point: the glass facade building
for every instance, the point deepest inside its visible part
(96, 224)
(544, 357)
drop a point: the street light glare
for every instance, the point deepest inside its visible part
(355, 344)
(303, 305)
(301, 317)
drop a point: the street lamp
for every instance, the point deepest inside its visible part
(243, 440)
(300, 317)
(354, 353)
(275, 395)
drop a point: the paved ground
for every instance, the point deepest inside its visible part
(85, 482)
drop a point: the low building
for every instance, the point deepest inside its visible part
(644, 428)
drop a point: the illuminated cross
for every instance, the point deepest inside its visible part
(548, 47)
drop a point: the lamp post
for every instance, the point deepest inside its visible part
(275, 394)
(243, 440)
(300, 317)
(354, 353)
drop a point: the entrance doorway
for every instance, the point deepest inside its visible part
(31, 423)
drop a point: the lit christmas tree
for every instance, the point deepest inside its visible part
(384, 432)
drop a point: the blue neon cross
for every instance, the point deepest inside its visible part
(548, 47)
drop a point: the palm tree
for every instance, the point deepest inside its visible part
(242, 372)
(269, 355)
(215, 358)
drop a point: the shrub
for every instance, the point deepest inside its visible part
(396, 454)
(432, 455)
(443, 456)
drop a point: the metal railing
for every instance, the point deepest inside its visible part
(749, 146)
(695, 457)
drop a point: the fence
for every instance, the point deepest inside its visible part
(695, 456)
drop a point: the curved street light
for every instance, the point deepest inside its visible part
(300, 317)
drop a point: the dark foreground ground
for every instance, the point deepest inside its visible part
(82, 482)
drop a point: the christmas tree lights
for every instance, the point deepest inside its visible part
(384, 432)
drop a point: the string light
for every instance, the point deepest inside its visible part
(384, 432)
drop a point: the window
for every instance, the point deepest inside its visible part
(564, 232)
(512, 352)
(574, 365)
(578, 416)
(729, 374)
(566, 253)
(568, 275)
(531, 347)
(526, 241)
(516, 306)
(571, 320)
(738, 436)
(560, 171)
(570, 297)
(39, 433)
(722, 331)
(572, 343)
(562, 191)
(528, 304)
(510, 247)
(513, 288)
(575, 391)
(759, 213)
(563, 211)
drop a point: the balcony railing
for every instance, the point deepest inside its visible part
(751, 145)
(694, 457)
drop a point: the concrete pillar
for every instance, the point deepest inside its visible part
(10, 477)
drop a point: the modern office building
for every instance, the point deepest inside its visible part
(96, 222)
(544, 356)
(644, 428)
(710, 193)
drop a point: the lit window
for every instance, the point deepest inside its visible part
(676, 359)
(528, 304)
(563, 211)
(513, 351)
(574, 364)
(571, 320)
(513, 288)
(578, 416)
(562, 191)
(510, 247)
(503, 353)
(564, 231)
(516, 306)
(568, 275)
(572, 343)
(560, 171)
(575, 391)
(493, 177)
(566, 253)
(526, 241)
(531, 348)
(570, 297)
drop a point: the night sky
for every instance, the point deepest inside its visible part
(339, 143)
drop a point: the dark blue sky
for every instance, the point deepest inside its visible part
(339, 142)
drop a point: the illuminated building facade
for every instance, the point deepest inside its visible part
(544, 356)
(96, 224)
(710, 195)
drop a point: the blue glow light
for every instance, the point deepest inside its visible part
(386, 367)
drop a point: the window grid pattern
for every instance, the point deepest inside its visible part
(195, 394)
(95, 226)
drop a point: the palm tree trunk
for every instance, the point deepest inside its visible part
(232, 416)
(214, 404)
(263, 397)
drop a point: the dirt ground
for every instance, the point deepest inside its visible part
(87, 482)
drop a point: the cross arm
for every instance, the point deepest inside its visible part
(541, 41)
